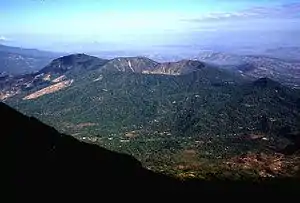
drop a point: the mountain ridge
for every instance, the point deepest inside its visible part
(71, 66)
(65, 63)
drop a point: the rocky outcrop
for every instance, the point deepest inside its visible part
(50, 89)
(130, 64)
(176, 68)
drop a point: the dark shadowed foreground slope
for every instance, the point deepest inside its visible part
(36, 161)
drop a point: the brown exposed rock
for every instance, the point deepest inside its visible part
(82, 125)
(266, 165)
(47, 77)
(59, 79)
(50, 89)
(78, 126)
(175, 68)
(256, 136)
(131, 134)
(8, 94)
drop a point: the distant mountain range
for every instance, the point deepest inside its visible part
(280, 64)
(283, 71)
(284, 53)
(15, 60)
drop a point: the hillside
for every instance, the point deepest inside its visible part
(39, 162)
(185, 114)
(134, 93)
(38, 158)
(127, 97)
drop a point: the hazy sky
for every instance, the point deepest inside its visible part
(72, 25)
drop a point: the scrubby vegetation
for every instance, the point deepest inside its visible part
(192, 125)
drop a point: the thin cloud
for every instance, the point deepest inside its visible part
(220, 16)
(283, 11)
(4, 39)
(291, 10)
